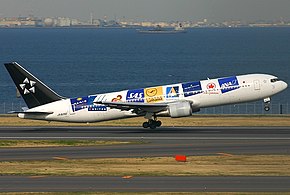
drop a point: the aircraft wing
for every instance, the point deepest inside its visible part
(137, 107)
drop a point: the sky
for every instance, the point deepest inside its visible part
(151, 10)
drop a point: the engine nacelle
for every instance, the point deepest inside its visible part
(179, 109)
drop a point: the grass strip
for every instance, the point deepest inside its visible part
(145, 193)
(218, 165)
(58, 143)
(195, 120)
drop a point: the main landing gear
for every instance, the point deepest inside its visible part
(152, 124)
(267, 104)
(152, 121)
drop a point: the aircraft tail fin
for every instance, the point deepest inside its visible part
(32, 90)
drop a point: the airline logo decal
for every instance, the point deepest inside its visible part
(97, 108)
(78, 103)
(211, 86)
(136, 95)
(154, 94)
(86, 102)
(27, 86)
(229, 84)
(172, 92)
(191, 88)
(117, 99)
(92, 107)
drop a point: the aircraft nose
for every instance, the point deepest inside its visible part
(284, 85)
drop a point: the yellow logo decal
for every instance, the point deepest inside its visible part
(154, 94)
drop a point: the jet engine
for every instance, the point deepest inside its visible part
(179, 109)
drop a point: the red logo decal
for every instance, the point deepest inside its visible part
(210, 86)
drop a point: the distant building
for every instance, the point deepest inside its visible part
(63, 22)
(75, 22)
(48, 22)
(9, 22)
(31, 21)
(18, 22)
(146, 24)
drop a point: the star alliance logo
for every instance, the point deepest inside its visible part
(29, 89)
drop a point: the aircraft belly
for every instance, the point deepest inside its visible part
(95, 116)
(116, 114)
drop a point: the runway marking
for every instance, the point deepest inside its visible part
(127, 177)
(37, 176)
(158, 138)
(59, 158)
(224, 154)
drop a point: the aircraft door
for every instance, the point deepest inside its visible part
(71, 109)
(256, 84)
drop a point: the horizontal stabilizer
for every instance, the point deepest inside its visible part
(30, 112)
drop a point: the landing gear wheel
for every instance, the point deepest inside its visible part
(152, 123)
(158, 123)
(153, 126)
(145, 125)
(266, 108)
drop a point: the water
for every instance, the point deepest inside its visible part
(77, 62)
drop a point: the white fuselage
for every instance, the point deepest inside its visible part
(201, 94)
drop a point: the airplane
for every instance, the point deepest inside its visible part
(173, 100)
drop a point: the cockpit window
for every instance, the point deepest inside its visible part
(274, 80)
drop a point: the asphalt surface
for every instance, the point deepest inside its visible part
(145, 184)
(161, 142)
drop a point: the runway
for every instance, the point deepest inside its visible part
(166, 141)
(161, 142)
(144, 184)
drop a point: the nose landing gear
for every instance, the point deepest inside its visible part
(267, 104)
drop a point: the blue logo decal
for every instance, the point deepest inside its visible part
(136, 95)
(86, 102)
(79, 103)
(229, 84)
(91, 99)
(97, 108)
(192, 88)
(172, 92)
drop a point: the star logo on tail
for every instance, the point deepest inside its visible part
(28, 86)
